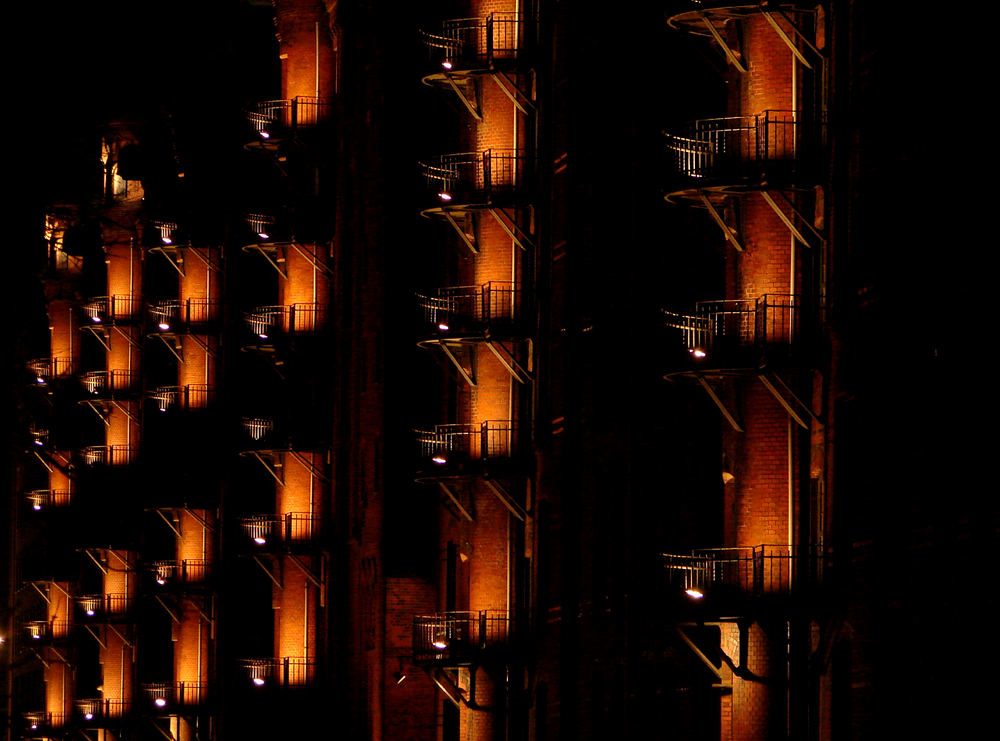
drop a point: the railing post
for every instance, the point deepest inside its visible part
(482, 629)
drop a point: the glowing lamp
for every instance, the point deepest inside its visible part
(443, 327)
(399, 677)
(260, 540)
(34, 726)
(263, 235)
(265, 135)
(36, 507)
(259, 681)
(166, 240)
(163, 325)
(444, 196)
(160, 702)
(262, 336)
(160, 580)
(440, 643)
(694, 593)
(697, 352)
(90, 613)
(39, 442)
(88, 716)
(96, 319)
(40, 380)
(447, 65)
(439, 459)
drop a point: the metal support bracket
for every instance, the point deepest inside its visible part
(697, 651)
(118, 633)
(101, 333)
(201, 611)
(273, 262)
(273, 468)
(206, 259)
(448, 686)
(469, 376)
(269, 572)
(506, 499)
(178, 265)
(118, 405)
(512, 91)
(468, 239)
(101, 566)
(209, 350)
(769, 16)
(453, 498)
(128, 338)
(771, 384)
(176, 349)
(472, 106)
(204, 523)
(508, 361)
(44, 594)
(309, 572)
(309, 466)
(100, 411)
(787, 221)
(95, 636)
(172, 613)
(518, 235)
(718, 402)
(170, 521)
(727, 231)
(732, 56)
(311, 259)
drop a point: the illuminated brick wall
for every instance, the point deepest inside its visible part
(59, 679)
(64, 334)
(303, 31)
(411, 704)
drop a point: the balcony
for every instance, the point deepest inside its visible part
(37, 724)
(98, 711)
(467, 449)
(273, 121)
(192, 396)
(166, 697)
(43, 370)
(189, 315)
(456, 311)
(734, 153)
(475, 181)
(467, 46)
(47, 631)
(179, 573)
(272, 323)
(111, 310)
(283, 671)
(735, 335)
(278, 531)
(729, 579)
(40, 499)
(98, 608)
(108, 455)
(464, 638)
(111, 384)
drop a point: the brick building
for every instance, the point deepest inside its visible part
(493, 370)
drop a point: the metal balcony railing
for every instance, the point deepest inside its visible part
(103, 606)
(192, 396)
(45, 369)
(111, 382)
(458, 637)
(772, 319)
(42, 720)
(108, 455)
(739, 145)
(496, 301)
(41, 498)
(290, 527)
(286, 670)
(110, 309)
(164, 695)
(266, 322)
(752, 570)
(47, 630)
(171, 315)
(271, 118)
(258, 429)
(475, 178)
(467, 44)
(185, 571)
(453, 443)
(167, 233)
(98, 709)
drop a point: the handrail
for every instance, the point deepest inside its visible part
(472, 176)
(491, 301)
(459, 635)
(271, 117)
(468, 441)
(753, 570)
(465, 43)
(774, 318)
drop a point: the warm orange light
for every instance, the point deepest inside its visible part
(443, 327)
(440, 460)
(694, 593)
(447, 65)
(697, 352)
(259, 681)
(159, 702)
(444, 196)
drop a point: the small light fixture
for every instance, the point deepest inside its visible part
(400, 677)
(262, 335)
(39, 442)
(439, 459)
(96, 319)
(166, 240)
(34, 726)
(260, 540)
(160, 702)
(440, 641)
(160, 580)
(265, 135)
(90, 613)
(88, 716)
(36, 506)
(443, 327)
(697, 352)
(163, 325)
(263, 235)
(444, 196)
(259, 681)
(447, 65)
(694, 593)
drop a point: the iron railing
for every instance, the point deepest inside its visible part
(166, 694)
(473, 177)
(166, 231)
(105, 309)
(267, 321)
(258, 428)
(192, 396)
(285, 670)
(110, 382)
(752, 570)
(458, 636)
(287, 528)
(41, 498)
(44, 369)
(41, 720)
(47, 630)
(108, 455)
(104, 605)
(185, 571)
(271, 117)
(450, 443)
(166, 315)
(713, 147)
(490, 302)
(465, 43)
(96, 709)
(772, 319)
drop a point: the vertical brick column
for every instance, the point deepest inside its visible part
(116, 656)
(305, 287)
(59, 680)
(305, 46)
(199, 292)
(64, 339)
(296, 605)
